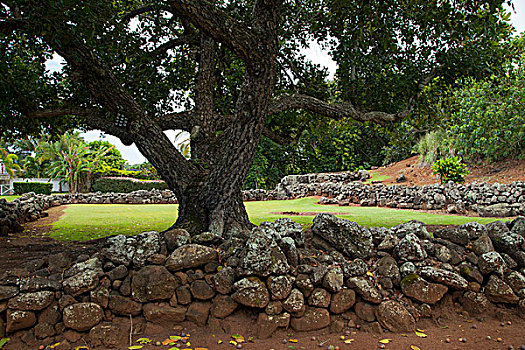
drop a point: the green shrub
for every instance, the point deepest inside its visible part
(450, 169)
(126, 185)
(37, 187)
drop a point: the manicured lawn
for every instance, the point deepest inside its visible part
(376, 177)
(90, 221)
(10, 198)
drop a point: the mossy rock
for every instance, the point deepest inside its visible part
(410, 279)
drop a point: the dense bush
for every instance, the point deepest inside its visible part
(126, 185)
(450, 169)
(489, 123)
(37, 187)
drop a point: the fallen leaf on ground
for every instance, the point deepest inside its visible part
(168, 342)
(385, 341)
(420, 334)
(239, 338)
(4, 341)
(414, 347)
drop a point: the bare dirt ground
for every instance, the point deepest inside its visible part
(20, 248)
(451, 331)
(418, 174)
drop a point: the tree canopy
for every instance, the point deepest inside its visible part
(229, 72)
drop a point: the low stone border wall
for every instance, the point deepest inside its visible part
(31, 207)
(492, 200)
(337, 275)
(495, 200)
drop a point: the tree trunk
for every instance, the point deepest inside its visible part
(199, 211)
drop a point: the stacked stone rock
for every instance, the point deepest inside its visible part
(31, 207)
(336, 275)
(496, 200)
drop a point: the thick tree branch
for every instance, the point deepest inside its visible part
(205, 87)
(177, 121)
(145, 9)
(171, 44)
(343, 110)
(335, 111)
(218, 25)
(281, 139)
(94, 118)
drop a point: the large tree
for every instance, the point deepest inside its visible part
(228, 72)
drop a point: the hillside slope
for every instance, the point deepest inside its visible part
(417, 174)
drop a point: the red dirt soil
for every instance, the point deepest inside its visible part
(418, 174)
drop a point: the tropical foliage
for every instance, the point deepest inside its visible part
(482, 119)
(450, 169)
(10, 162)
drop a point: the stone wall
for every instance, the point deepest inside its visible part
(496, 200)
(338, 275)
(493, 200)
(31, 207)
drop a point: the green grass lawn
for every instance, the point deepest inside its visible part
(10, 198)
(90, 221)
(376, 177)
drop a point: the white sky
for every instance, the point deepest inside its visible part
(315, 53)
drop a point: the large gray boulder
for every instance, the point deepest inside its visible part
(82, 277)
(251, 292)
(148, 243)
(410, 248)
(393, 316)
(498, 291)
(415, 227)
(491, 262)
(503, 239)
(190, 255)
(152, 283)
(261, 254)
(366, 288)
(345, 236)
(448, 278)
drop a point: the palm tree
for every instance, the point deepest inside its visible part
(182, 142)
(73, 160)
(10, 162)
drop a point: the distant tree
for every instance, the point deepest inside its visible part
(112, 159)
(10, 162)
(73, 160)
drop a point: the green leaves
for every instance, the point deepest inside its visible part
(4, 341)
(450, 169)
